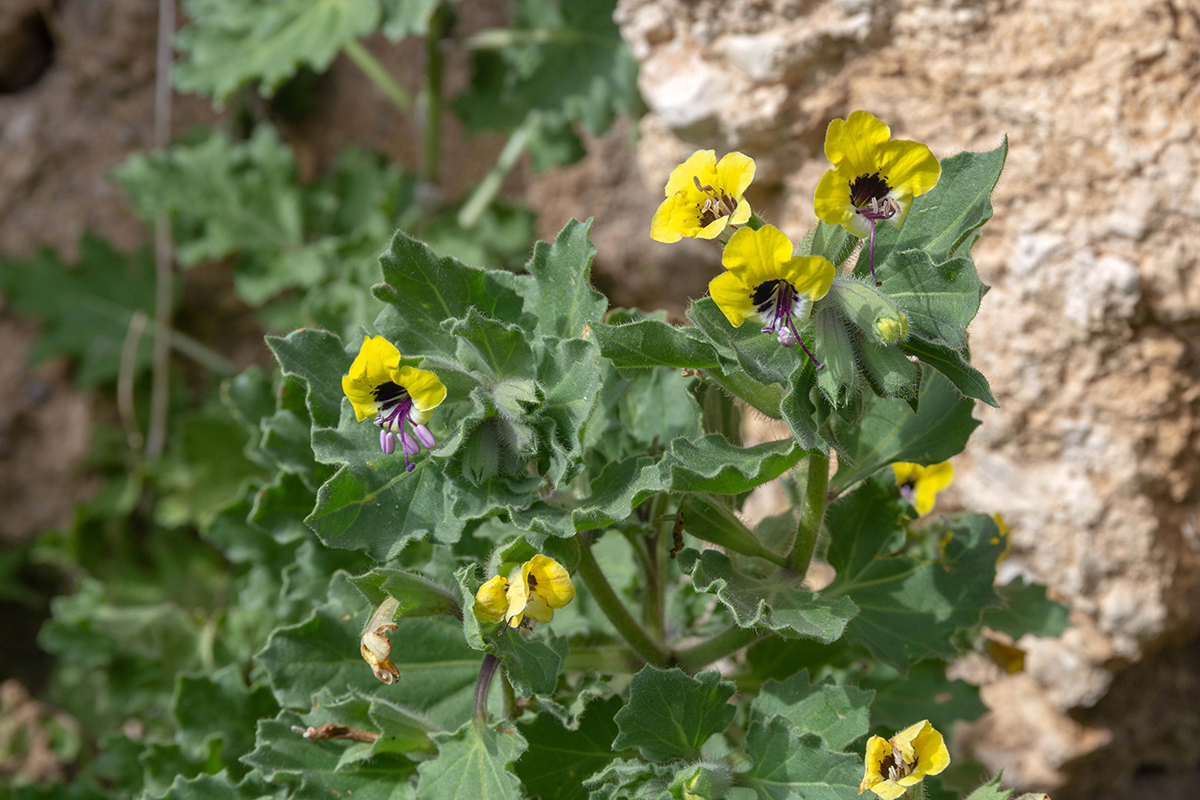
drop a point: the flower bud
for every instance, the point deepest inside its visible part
(887, 369)
(517, 399)
(839, 380)
(870, 310)
(704, 781)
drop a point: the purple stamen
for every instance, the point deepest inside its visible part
(387, 442)
(817, 364)
(872, 261)
(409, 443)
(425, 435)
(782, 325)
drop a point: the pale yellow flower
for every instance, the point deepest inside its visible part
(703, 197)
(894, 765)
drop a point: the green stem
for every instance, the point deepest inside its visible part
(489, 187)
(651, 651)
(602, 659)
(764, 398)
(510, 698)
(205, 357)
(727, 641)
(434, 71)
(378, 74)
(816, 495)
(487, 671)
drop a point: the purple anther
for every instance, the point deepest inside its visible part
(387, 442)
(786, 338)
(425, 435)
(411, 448)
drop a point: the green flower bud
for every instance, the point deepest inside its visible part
(887, 369)
(517, 399)
(869, 310)
(839, 380)
(703, 781)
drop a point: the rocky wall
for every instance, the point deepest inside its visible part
(1090, 336)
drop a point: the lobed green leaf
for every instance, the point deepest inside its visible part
(670, 714)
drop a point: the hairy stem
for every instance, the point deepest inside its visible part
(487, 189)
(651, 651)
(816, 496)
(487, 671)
(378, 75)
(722, 644)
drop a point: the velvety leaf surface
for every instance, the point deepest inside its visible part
(670, 714)
(473, 763)
(215, 59)
(838, 714)
(890, 431)
(941, 299)
(954, 366)
(711, 464)
(651, 343)
(780, 603)
(532, 665)
(558, 288)
(418, 596)
(788, 764)
(992, 790)
(559, 760)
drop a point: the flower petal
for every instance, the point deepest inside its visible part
(491, 601)
(877, 750)
(852, 145)
(810, 276)
(735, 171)
(931, 480)
(910, 165)
(518, 596)
(377, 363)
(905, 472)
(554, 585)
(757, 256)
(673, 219)
(701, 164)
(424, 387)
(734, 298)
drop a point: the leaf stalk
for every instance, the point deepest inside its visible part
(650, 650)
(816, 497)
(715, 648)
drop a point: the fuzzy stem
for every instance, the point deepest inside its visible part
(651, 651)
(816, 495)
(717, 647)
(487, 671)
(378, 74)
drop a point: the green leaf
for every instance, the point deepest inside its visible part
(372, 503)
(423, 289)
(833, 242)
(229, 43)
(284, 756)
(992, 790)
(909, 609)
(318, 359)
(940, 299)
(532, 665)
(711, 464)
(569, 374)
(942, 220)
(632, 779)
(559, 760)
(670, 714)
(84, 310)
(715, 522)
(558, 59)
(558, 287)
(925, 693)
(221, 706)
(407, 17)
(657, 406)
(790, 765)
(496, 349)
(1027, 610)
(473, 763)
(760, 355)
(780, 603)
(437, 668)
(800, 410)
(891, 431)
(620, 488)
(651, 343)
(418, 596)
(954, 366)
(838, 714)
(219, 787)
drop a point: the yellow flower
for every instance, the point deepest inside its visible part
(533, 589)
(920, 485)
(379, 387)
(1003, 536)
(764, 282)
(703, 197)
(873, 178)
(893, 765)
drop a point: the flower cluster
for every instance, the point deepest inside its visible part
(897, 764)
(873, 179)
(397, 397)
(533, 589)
